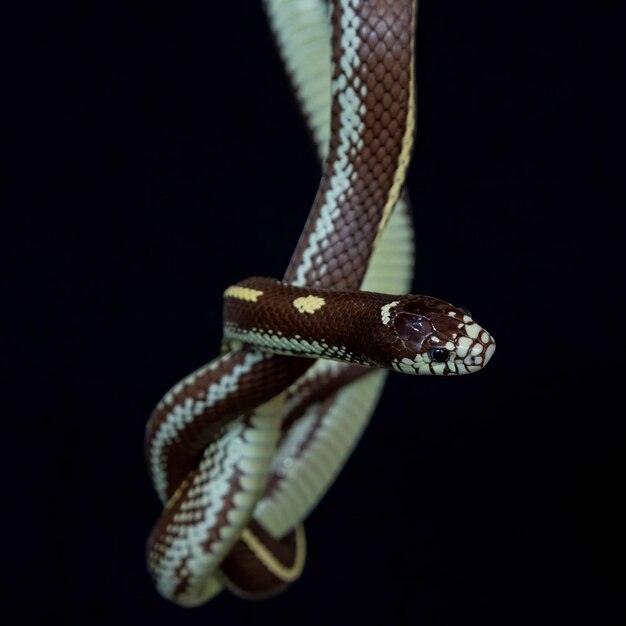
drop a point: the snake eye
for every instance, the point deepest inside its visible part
(438, 355)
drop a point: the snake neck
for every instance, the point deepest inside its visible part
(372, 123)
(313, 323)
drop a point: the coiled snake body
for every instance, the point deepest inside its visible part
(242, 449)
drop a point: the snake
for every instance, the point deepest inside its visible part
(242, 449)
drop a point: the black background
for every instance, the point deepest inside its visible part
(156, 156)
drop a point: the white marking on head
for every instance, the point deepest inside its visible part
(477, 348)
(438, 368)
(463, 345)
(424, 368)
(385, 314)
(406, 367)
(472, 330)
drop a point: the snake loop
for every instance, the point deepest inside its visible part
(242, 449)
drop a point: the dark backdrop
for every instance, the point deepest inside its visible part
(156, 156)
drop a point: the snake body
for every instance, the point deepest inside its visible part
(236, 450)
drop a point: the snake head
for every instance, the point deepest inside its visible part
(435, 337)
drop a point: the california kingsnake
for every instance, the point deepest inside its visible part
(242, 449)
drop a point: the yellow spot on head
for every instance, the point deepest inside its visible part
(243, 293)
(309, 304)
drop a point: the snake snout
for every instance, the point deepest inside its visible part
(480, 352)
(474, 349)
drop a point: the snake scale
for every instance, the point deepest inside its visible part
(242, 449)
